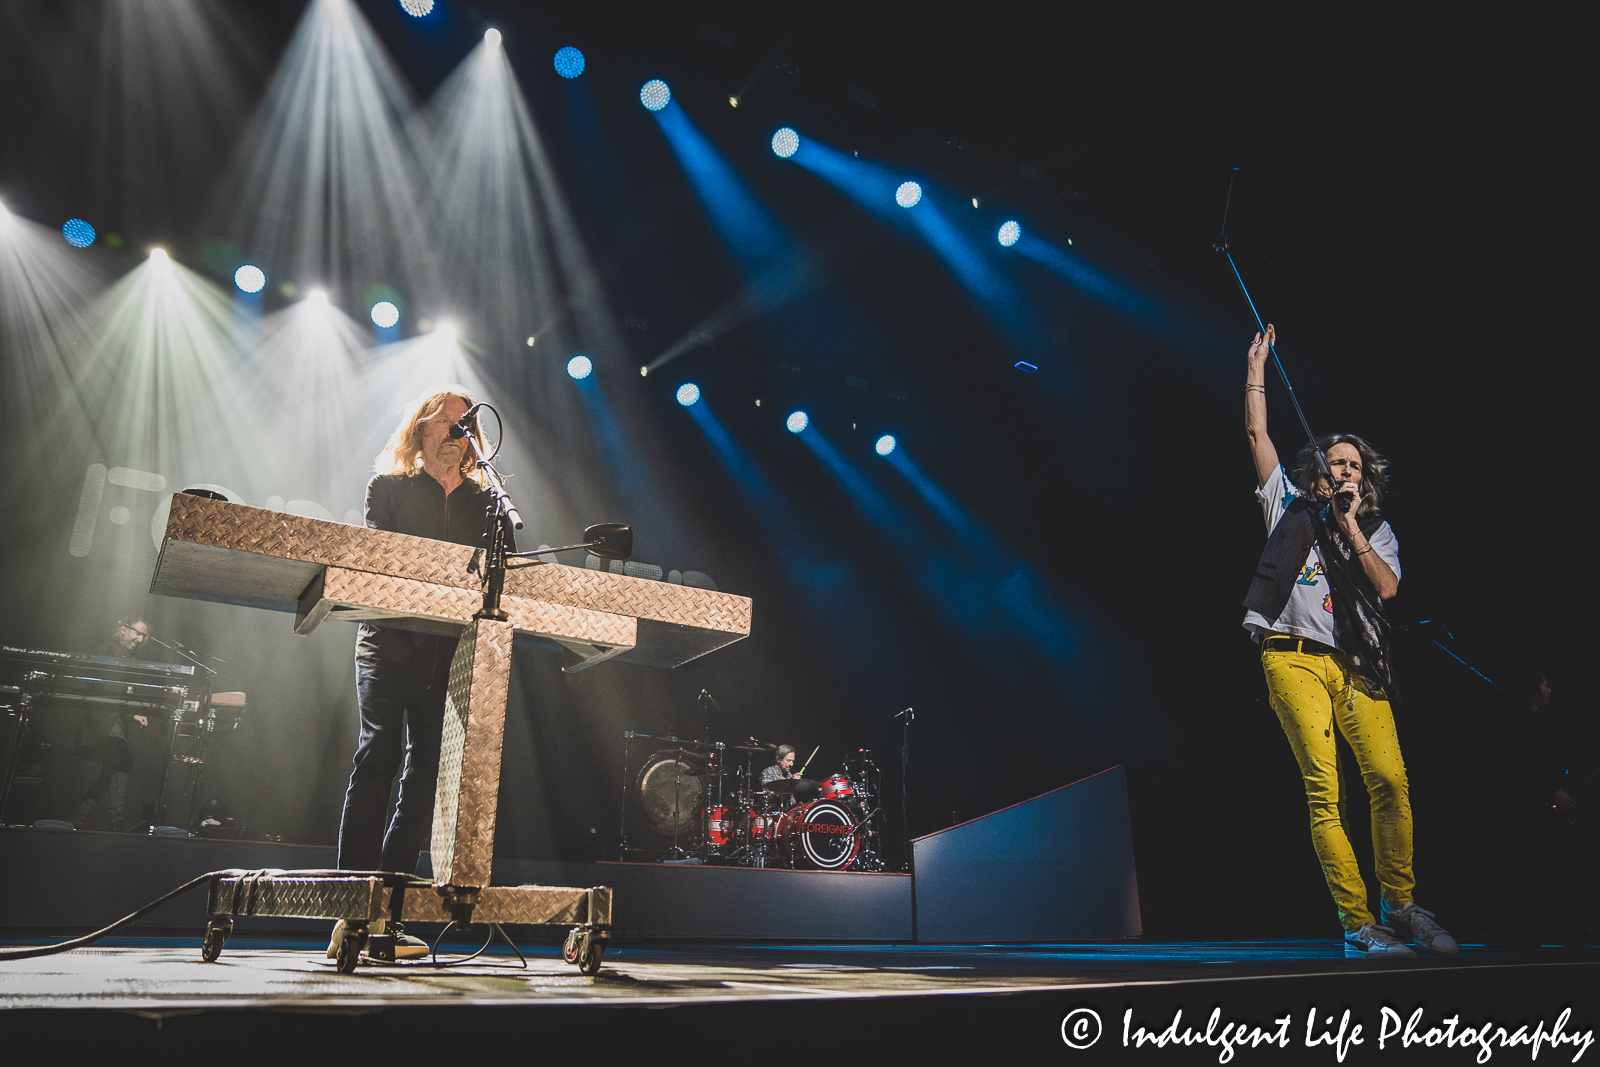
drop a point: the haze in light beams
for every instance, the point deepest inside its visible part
(327, 176)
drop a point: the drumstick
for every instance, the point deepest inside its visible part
(801, 773)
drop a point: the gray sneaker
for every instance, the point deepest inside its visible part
(1417, 924)
(1373, 940)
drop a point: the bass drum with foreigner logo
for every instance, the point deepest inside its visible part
(823, 835)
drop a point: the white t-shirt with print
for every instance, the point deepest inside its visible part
(1309, 612)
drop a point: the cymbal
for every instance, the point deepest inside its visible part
(791, 785)
(757, 747)
(682, 753)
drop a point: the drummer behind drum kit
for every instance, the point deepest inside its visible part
(710, 800)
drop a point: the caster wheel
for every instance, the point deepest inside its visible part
(349, 952)
(590, 952)
(569, 950)
(216, 937)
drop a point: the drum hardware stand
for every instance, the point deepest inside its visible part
(464, 809)
(622, 819)
(709, 849)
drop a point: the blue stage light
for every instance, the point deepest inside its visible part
(688, 394)
(908, 195)
(1010, 233)
(580, 367)
(417, 9)
(798, 421)
(569, 62)
(249, 278)
(785, 143)
(1025, 367)
(655, 95)
(885, 444)
(79, 234)
(385, 314)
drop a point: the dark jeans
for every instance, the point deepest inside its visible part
(391, 696)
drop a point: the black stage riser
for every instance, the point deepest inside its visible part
(64, 881)
(1058, 867)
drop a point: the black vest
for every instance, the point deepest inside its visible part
(1283, 557)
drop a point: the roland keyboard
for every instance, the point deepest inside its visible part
(94, 679)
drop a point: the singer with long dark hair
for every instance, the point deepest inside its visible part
(1316, 607)
(428, 484)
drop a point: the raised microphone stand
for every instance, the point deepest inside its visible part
(1331, 558)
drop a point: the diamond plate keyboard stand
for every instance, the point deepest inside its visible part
(234, 554)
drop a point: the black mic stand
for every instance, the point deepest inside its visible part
(499, 513)
(195, 763)
(1420, 623)
(907, 716)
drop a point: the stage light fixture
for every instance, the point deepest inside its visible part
(1010, 233)
(644, 372)
(531, 341)
(908, 195)
(1024, 366)
(569, 62)
(797, 421)
(385, 314)
(885, 444)
(491, 37)
(158, 255)
(655, 95)
(446, 330)
(580, 367)
(249, 278)
(688, 394)
(79, 234)
(417, 8)
(785, 143)
(318, 296)
(733, 100)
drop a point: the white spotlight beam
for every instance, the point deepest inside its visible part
(173, 84)
(327, 177)
(44, 286)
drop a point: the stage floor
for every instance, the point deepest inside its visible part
(936, 1002)
(167, 975)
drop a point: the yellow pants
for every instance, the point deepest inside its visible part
(1311, 694)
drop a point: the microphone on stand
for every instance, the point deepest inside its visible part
(466, 425)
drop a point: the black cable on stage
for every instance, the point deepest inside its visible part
(232, 872)
(89, 939)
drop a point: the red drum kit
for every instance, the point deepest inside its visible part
(711, 800)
